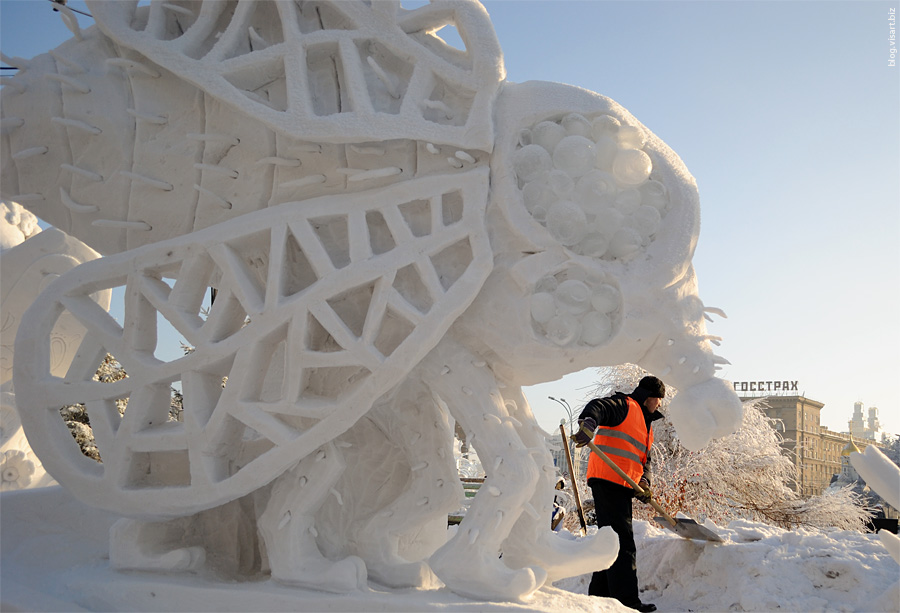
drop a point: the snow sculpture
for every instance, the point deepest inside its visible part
(29, 261)
(385, 256)
(883, 476)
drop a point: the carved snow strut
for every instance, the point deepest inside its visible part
(341, 316)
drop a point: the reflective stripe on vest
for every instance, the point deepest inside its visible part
(626, 445)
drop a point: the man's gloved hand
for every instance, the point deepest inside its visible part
(581, 437)
(645, 497)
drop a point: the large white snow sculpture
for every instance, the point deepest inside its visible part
(386, 255)
(883, 476)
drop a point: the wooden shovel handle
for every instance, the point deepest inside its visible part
(562, 430)
(628, 479)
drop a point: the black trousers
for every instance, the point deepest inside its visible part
(613, 505)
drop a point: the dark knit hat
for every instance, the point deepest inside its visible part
(653, 387)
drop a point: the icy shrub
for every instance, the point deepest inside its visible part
(78, 420)
(744, 475)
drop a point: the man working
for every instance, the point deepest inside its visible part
(625, 436)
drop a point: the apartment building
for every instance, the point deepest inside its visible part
(814, 449)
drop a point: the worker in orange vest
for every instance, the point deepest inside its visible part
(625, 435)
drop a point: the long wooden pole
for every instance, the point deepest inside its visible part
(562, 430)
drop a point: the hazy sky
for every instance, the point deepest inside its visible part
(788, 115)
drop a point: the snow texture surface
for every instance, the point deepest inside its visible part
(757, 568)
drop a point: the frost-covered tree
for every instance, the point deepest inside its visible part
(78, 421)
(743, 475)
(76, 417)
(892, 448)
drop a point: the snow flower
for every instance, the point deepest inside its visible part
(15, 470)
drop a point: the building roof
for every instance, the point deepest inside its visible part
(850, 448)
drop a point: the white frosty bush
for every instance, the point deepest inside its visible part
(744, 475)
(78, 420)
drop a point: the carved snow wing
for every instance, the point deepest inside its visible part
(332, 72)
(321, 307)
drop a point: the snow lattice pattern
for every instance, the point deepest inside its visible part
(321, 307)
(318, 70)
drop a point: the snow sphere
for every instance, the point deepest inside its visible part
(631, 137)
(596, 190)
(547, 134)
(654, 194)
(631, 167)
(606, 152)
(595, 328)
(524, 137)
(543, 307)
(593, 245)
(647, 220)
(561, 183)
(625, 242)
(537, 194)
(604, 125)
(628, 201)
(530, 161)
(539, 213)
(563, 329)
(608, 221)
(566, 222)
(573, 296)
(576, 124)
(577, 273)
(547, 284)
(574, 155)
(605, 299)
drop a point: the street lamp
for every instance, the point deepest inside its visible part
(562, 402)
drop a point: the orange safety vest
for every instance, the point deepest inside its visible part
(627, 445)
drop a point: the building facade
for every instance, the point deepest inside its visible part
(814, 449)
(580, 456)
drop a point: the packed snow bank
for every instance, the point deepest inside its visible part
(55, 558)
(762, 568)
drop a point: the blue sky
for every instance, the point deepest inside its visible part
(788, 115)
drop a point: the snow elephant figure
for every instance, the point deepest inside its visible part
(399, 239)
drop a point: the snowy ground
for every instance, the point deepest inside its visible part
(54, 558)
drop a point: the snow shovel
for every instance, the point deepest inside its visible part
(685, 528)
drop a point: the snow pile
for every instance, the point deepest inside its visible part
(761, 568)
(55, 557)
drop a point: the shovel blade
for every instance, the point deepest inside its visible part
(689, 529)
